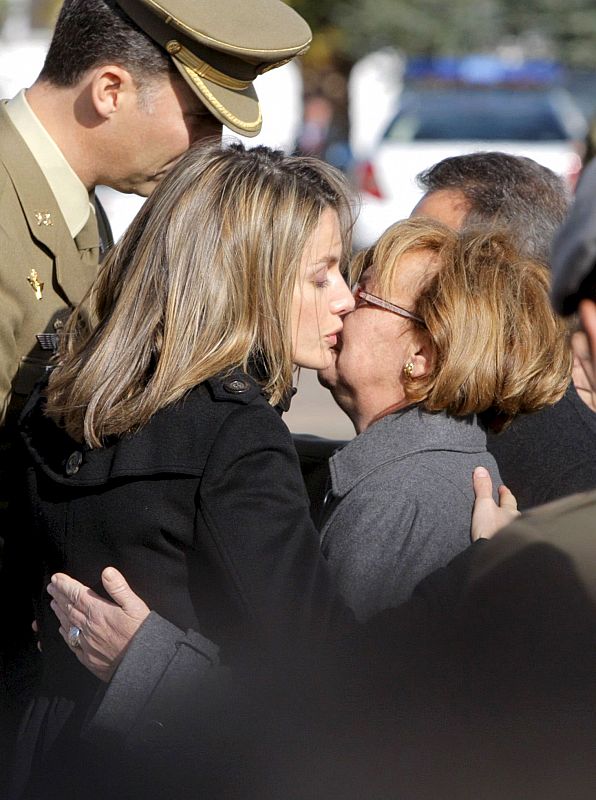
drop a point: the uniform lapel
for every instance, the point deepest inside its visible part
(44, 218)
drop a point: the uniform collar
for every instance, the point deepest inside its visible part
(70, 193)
(411, 430)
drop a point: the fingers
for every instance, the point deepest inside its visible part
(71, 597)
(106, 627)
(68, 617)
(67, 586)
(507, 499)
(483, 485)
(116, 586)
(121, 593)
(71, 602)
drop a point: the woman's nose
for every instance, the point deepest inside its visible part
(343, 302)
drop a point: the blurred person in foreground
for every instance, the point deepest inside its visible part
(547, 454)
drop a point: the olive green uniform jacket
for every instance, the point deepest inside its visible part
(33, 236)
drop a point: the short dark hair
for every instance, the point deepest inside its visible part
(93, 32)
(516, 193)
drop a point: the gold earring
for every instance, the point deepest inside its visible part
(409, 370)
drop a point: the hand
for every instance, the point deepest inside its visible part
(488, 517)
(106, 628)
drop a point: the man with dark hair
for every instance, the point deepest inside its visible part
(547, 454)
(513, 192)
(88, 33)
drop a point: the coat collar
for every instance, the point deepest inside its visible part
(176, 440)
(68, 189)
(42, 212)
(396, 436)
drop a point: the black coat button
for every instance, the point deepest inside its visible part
(236, 386)
(73, 463)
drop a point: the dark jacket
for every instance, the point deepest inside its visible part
(548, 454)
(203, 510)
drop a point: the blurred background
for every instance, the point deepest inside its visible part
(388, 88)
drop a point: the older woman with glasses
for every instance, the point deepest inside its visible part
(448, 328)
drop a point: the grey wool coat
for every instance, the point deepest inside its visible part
(400, 504)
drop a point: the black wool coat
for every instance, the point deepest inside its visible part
(203, 510)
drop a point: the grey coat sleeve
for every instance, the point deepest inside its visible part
(162, 665)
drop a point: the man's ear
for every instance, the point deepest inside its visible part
(111, 87)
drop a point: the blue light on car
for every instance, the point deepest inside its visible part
(483, 69)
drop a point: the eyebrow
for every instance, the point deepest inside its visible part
(325, 262)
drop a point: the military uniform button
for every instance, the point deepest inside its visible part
(73, 463)
(236, 386)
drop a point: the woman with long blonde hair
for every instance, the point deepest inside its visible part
(157, 446)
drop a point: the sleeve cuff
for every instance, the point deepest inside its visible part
(147, 658)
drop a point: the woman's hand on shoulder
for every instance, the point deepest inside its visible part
(97, 630)
(488, 517)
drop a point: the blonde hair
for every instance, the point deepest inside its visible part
(200, 284)
(498, 347)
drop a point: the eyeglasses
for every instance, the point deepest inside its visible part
(373, 300)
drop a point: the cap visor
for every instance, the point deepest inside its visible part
(237, 109)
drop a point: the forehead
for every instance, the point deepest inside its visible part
(326, 236)
(448, 206)
(409, 272)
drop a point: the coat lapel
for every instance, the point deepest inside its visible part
(44, 218)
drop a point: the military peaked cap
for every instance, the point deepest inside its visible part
(220, 47)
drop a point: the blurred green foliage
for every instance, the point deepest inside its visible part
(563, 30)
(348, 29)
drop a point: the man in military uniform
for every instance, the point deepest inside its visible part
(126, 88)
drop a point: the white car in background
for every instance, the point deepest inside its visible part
(433, 123)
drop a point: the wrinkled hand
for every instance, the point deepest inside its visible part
(106, 628)
(488, 517)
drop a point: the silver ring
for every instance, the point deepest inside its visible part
(74, 635)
